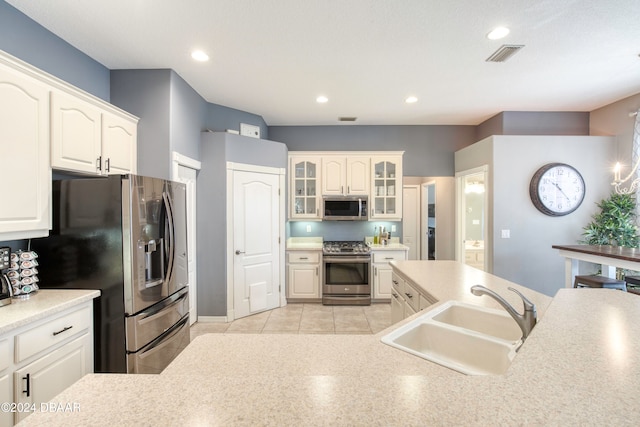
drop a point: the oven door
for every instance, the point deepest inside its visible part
(346, 275)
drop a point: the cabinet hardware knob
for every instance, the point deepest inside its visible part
(389, 257)
(99, 163)
(66, 328)
(408, 295)
(107, 165)
(238, 252)
(395, 282)
(304, 257)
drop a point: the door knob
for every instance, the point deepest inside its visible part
(238, 252)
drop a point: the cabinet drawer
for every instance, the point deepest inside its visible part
(304, 257)
(386, 256)
(5, 353)
(398, 284)
(412, 296)
(53, 332)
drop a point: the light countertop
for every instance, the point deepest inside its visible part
(579, 366)
(42, 304)
(388, 247)
(304, 243)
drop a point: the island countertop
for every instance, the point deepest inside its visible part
(579, 366)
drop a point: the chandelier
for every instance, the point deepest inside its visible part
(617, 182)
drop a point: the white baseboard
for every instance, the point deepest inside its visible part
(212, 319)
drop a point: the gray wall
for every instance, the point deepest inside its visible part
(188, 118)
(146, 94)
(614, 119)
(527, 257)
(534, 123)
(428, 149)
(216, 149)
(220, 118)
(23, 38)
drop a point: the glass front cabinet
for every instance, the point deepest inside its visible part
(386, 194)
(305, 197)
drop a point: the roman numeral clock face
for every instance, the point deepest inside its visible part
(557, 189)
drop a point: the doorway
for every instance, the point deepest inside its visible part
(429, 220)
(472, 237)
(185, 171)
(254, 232)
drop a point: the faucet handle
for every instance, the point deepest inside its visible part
(528, 305)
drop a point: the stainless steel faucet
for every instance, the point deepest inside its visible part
(526, 321)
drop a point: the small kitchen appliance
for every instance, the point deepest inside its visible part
(346, 266)
(5, 285)
(343, 208)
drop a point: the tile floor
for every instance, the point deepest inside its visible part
(306, 319)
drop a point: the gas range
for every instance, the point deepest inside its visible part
(349, 247)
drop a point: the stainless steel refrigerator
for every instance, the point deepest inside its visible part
(124, 235)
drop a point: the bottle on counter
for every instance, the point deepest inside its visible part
(375, 235)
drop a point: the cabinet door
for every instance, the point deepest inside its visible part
(333, 176)
(305, 191)
(119, 145)
(6, 396)
(24, 160)
(304, 281)
(76, 134)
(43, 379)
(358, 175)
(397, 307)
(387, 188)
(382, 281)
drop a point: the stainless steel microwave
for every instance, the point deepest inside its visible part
(345, 208)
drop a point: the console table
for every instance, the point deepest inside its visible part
(609, 257)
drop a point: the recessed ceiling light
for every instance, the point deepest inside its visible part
(322, 99)
(498, 33)
(411, 100)
(199, 55)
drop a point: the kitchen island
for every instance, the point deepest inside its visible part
(579, 366)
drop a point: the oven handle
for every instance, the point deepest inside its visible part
(346, 259)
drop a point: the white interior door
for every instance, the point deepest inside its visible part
(256, 270)
(185, 170)
(411, 220)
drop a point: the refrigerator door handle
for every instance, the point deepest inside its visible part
(172, 243)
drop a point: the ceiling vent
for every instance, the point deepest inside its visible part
(504, 52)
(347, 119)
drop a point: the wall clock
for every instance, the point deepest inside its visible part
(557, 189)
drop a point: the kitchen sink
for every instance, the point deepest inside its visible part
(470, 339)
(496, 323)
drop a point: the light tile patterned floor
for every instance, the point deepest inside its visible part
(306, 319)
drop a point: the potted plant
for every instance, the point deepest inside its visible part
(615, 224)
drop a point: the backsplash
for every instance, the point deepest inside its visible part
(341, 230)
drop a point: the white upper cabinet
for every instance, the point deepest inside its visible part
(76, 140)
(119, 144)
(386, 198)
(305, 198)
(86, 138)
(24, 156)
(333, 176)
(345, 176)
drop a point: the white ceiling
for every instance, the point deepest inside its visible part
(274, 57)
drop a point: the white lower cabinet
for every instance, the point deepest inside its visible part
(382, 272)
(406, 299)
(42, 380)
(41, 359)
(6, 396)
(303, 275)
